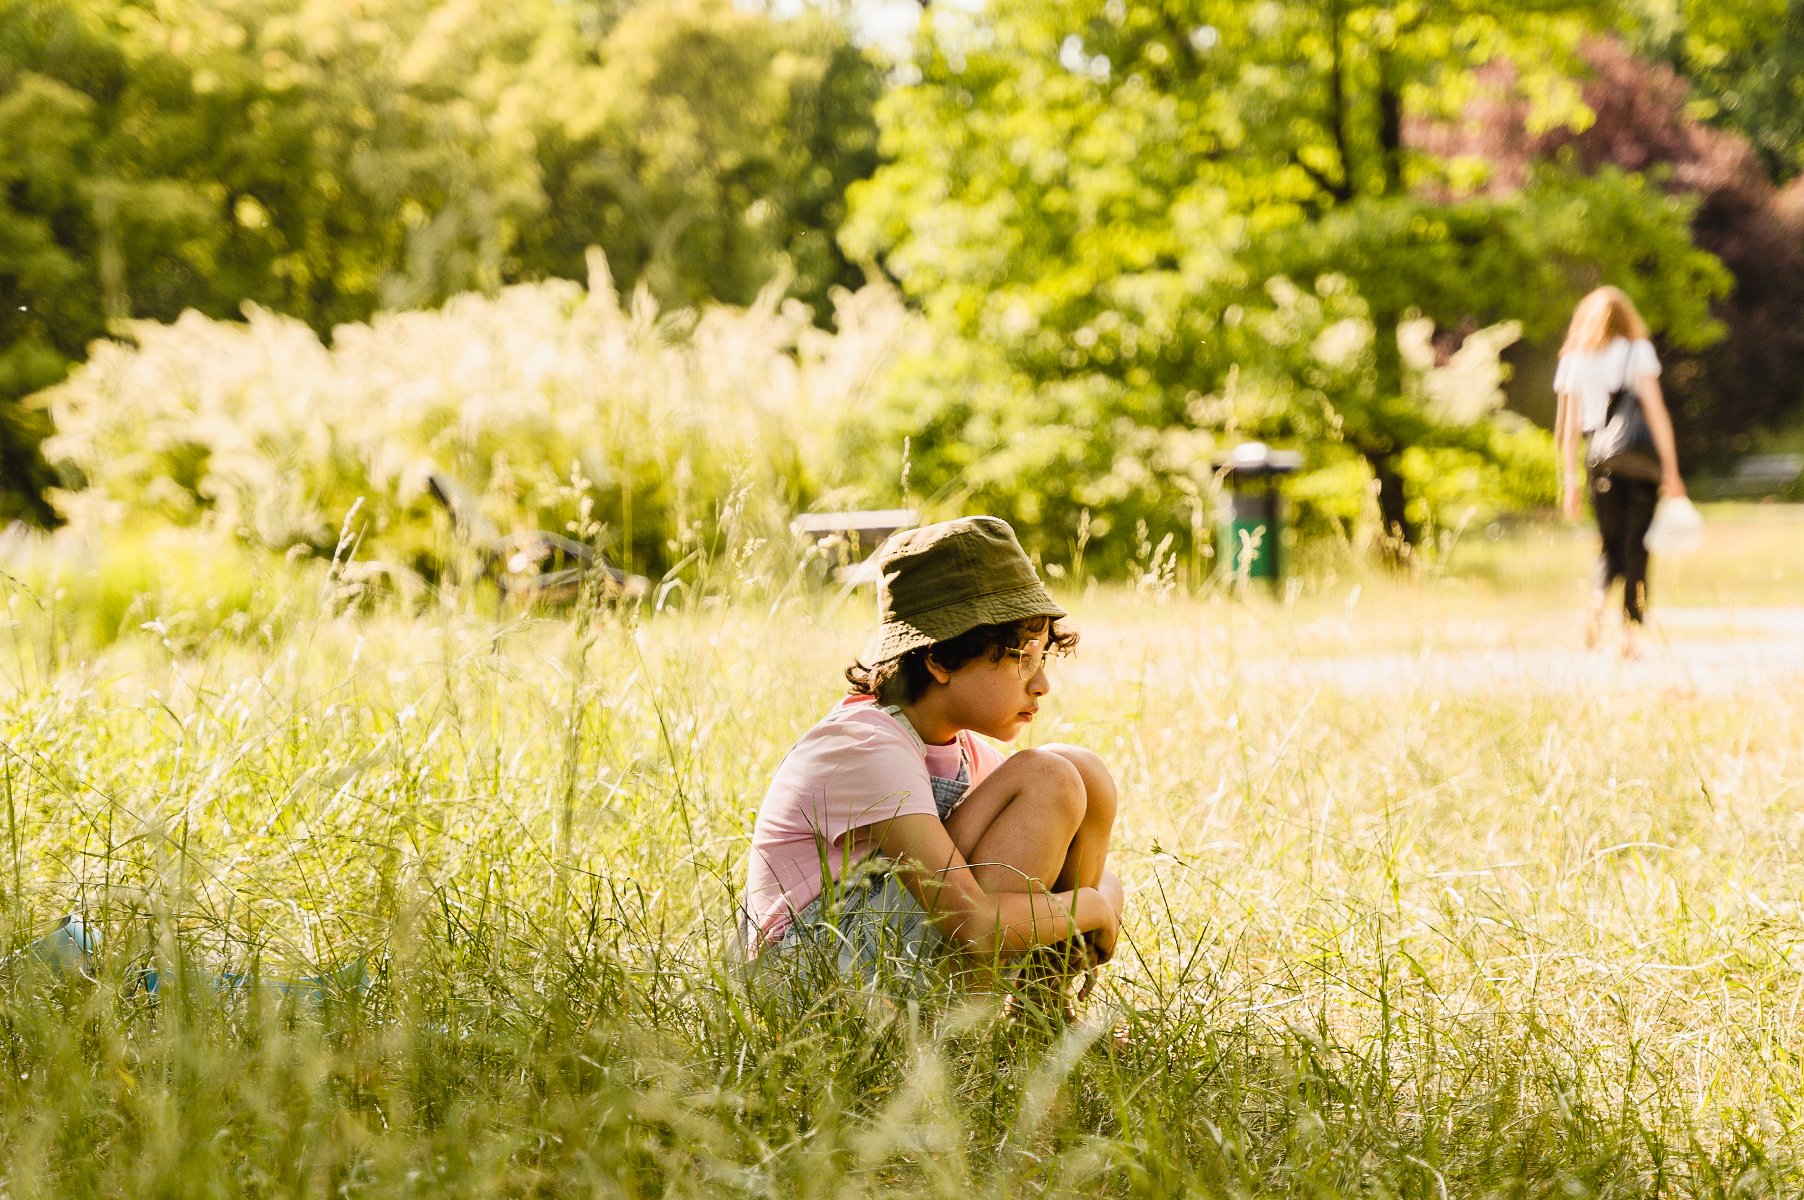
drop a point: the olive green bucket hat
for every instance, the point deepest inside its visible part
(939, 581)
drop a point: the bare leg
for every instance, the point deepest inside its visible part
(1594, 621)
(1044, 818)
(1045, 814)
(1085, 861)
(1089, 849)
(1016, 828)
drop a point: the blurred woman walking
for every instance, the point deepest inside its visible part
(1608, 384)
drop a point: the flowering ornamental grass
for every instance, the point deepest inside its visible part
(557, 406)
(439, 906)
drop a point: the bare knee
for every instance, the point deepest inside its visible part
(1098, 784)
(1054, 782)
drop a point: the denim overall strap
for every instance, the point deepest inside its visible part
(948, 794)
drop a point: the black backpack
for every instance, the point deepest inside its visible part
(1623, 446)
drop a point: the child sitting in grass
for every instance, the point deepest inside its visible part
(893, 838)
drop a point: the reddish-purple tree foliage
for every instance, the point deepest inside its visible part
(1755, 375)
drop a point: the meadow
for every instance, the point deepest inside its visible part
(1424, 900)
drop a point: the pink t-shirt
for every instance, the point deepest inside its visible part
(857, 768)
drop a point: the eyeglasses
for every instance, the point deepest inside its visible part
(1029, 659)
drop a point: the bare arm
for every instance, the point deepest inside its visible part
(1659, 423)
(1565, 438)
(991, 923)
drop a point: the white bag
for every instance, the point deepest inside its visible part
(1677, 528)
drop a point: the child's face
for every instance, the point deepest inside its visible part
(998, 699)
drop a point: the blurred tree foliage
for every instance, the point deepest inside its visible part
(1746, 60)
(329, 158)
(1214, 215)
(709, 149)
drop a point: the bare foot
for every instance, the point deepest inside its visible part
(1594, 623)
(1039, 984)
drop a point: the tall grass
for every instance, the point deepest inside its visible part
(1417, 941)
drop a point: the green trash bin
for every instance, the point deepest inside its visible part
(1249, 534)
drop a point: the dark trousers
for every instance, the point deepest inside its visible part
(1624, 509)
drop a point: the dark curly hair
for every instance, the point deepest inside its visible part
(903, 679)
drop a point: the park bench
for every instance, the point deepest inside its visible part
(535, 565)
(1762, 475)
(849, 537)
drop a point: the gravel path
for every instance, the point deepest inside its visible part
(1687, 651)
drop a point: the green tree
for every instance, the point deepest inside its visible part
(326, 160)
(201, 155)
(707, 149)
(84, 210)
(1746, 60)
(377, 158)
(1103, 193)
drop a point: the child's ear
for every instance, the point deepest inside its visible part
(940, 674)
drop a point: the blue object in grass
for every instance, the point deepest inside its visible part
(67, 949)
(353, 980)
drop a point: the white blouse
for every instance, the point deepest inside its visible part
(1593, 375)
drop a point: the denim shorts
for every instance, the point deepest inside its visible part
(868, 930)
